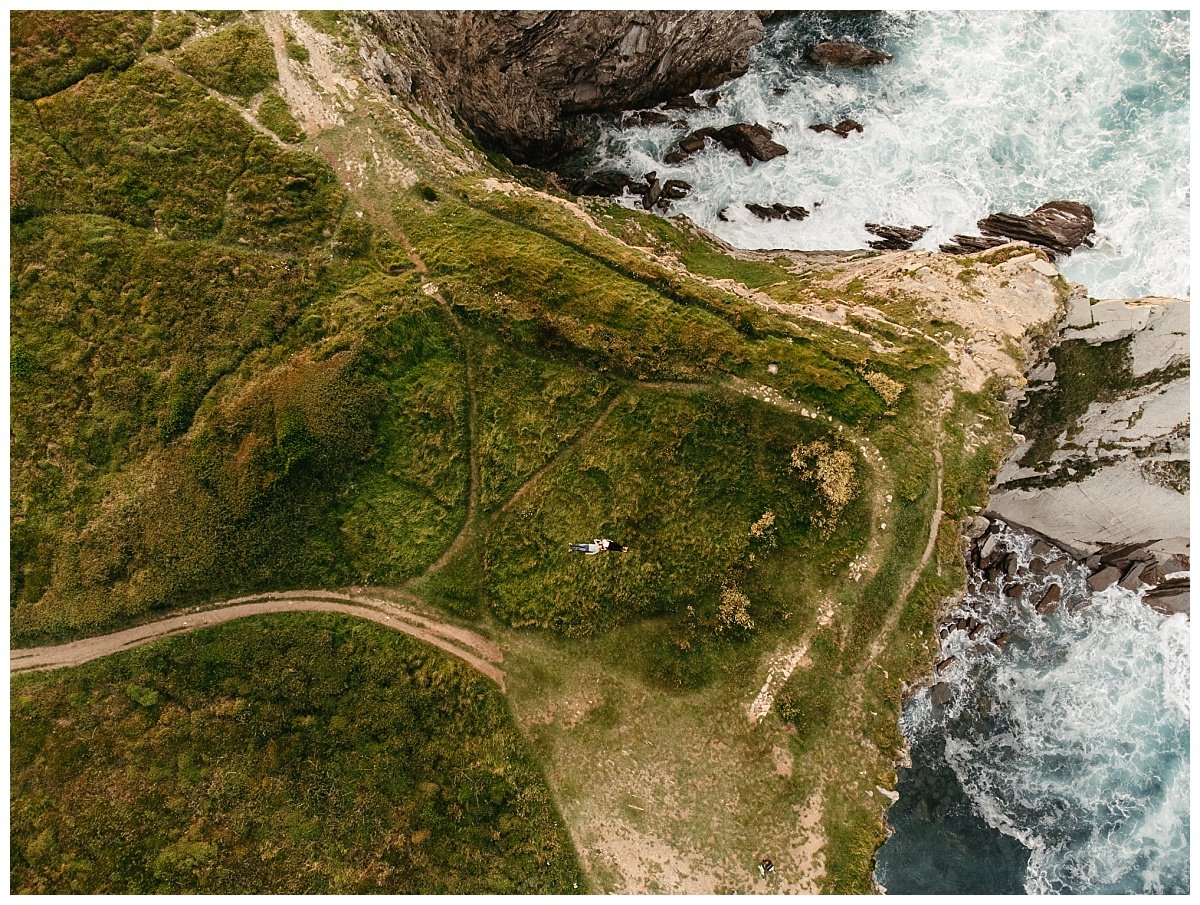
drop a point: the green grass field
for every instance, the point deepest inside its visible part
(361, 357)
(280, 754)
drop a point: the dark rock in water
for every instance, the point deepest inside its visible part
(675, 189)
(961, 623)
(1041, 548)
(945, 665)
(941, 694)
(1058, 226)
(974, 633)
(605, 183)
(1014, 590)
(894, 238)
(841, 130)
(1092, 562)
(1105, 578)
(779, 92)
(1012, 563)
(845, 53)
(1002, 640)
(969, 245)
(777, 211)
(516, 77)
(1049, 602)
(1170, 597)
(645, 118)
(653, 194)
(686, 102)
(1059, 567)
(1037, 566)
(752, 141)
(688, 146)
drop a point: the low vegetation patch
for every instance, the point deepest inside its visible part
(280, 754)
(237, 60)
(52, 49)
(275, 114)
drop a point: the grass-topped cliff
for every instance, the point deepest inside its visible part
(273, 328)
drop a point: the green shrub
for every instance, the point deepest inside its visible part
(51, 50)
(296, 51)
(173, 28)
(238, 61)
(275, 114)
(284, 754)
(153, 148)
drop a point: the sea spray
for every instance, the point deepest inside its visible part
(1062, 756)
(979, 112)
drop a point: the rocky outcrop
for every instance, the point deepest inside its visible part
(656, 193)
(841, 130)
(604, 183)
(1119, 473)
(845, 53)
(777, 211)
(752, 141)
(515, 78)
(645, 118)
(894, 238)
(969, 245)
(1058, 226)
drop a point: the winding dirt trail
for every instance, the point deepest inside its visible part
(471, 648)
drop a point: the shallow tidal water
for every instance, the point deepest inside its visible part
(978, 112)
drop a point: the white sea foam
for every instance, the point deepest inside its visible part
(979, 112)
(1074, 741)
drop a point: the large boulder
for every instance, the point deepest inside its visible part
(895, 238)
(1058, 226)
(605, 183)
(516, 77)
(753, 142)
(845, 53)
(750, 140)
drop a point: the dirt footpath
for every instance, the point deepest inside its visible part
(474, 649)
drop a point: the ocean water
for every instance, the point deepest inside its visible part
(1061, 765)
(979, 112)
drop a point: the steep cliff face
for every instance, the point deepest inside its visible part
(516, 77)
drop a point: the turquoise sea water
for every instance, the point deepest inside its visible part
(978, 112)
(1061, 764)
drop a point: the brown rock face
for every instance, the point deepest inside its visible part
(1059, 226)
(897, 238)
(845, 53)
(515, 77)
(841, 130)
(750, 140)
